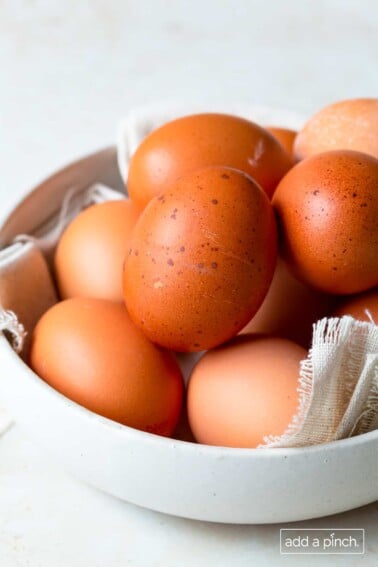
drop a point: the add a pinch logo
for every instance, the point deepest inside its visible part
(322, 541)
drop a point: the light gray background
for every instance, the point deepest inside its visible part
(69, 71)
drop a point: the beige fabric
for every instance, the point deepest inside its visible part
(26, 289)
(11, 327)
(338, 385)
(73, 203)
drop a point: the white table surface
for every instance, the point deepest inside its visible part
(69, 71)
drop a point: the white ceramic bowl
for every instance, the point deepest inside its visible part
(185, 479)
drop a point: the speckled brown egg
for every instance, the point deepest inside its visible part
(327, 210)
(201, 259)
(358, 305)
(345, 125)
(193, 142)
(285, 136)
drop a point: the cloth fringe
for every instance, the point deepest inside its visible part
(337, 385)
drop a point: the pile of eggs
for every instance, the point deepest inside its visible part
(235, 240)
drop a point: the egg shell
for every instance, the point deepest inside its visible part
(90, 254)
(90, 351)
(357, 305)
(194, 142)
(201, 260)
(290, 308)
(327, 210)
(244, 390)
(345, 125)
(285, 136)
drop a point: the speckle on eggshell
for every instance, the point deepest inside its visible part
(330, 240)
(224, 260)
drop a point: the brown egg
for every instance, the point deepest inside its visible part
(201, 260)
(193, 142)
(245, 390)
(285, 137)
(357, 305)
(346, 125)
(327, 210)
(290, 308)
(91, 251)
(90, 351)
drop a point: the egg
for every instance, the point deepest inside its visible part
(89, 350)
(194, 142)
(327, 211)
(357, 305)
(285, 136)
(346, 125)
(290, 308)
(244, 390)
(201, 260)
(89, 256)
